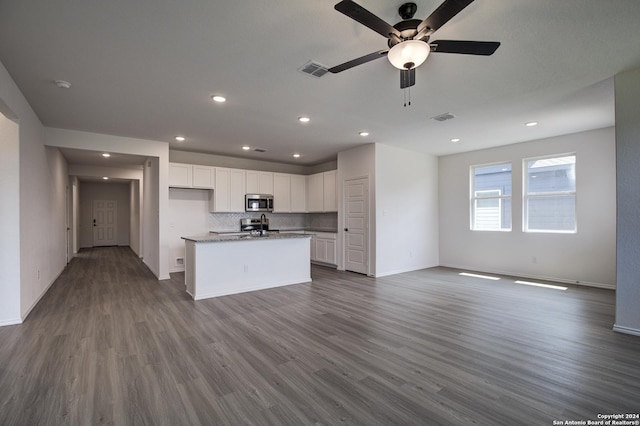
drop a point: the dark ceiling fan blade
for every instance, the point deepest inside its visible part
(484, 48)
(358, 61)
(366, 18)
(447, 10)
(407, 78)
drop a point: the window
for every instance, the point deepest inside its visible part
(550, 194)
(491, 197)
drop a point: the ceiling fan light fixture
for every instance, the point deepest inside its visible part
(409, 54)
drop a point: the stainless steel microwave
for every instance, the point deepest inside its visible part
(258, 203)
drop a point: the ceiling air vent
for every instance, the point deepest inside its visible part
(443, 117)
(313, 68)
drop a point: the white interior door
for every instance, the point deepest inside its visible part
(356, 202)
(105, 224)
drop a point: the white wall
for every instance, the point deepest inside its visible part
(42, 185)
(356, 163)
(627, 86)
(406, 210)
(90, 191)
(188, 215)
(9, 223)
(75, 213)
(587, 256)
(135, 216)
(155, 202)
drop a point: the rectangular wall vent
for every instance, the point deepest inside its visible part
(313, 68)
(443, 117)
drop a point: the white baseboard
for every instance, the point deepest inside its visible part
(402, 270)
(531, 276)
(46, 289)
(11, 321)
(626, 330)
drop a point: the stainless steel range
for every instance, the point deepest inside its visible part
(256, 224)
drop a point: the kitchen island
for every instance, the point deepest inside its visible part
(219, 265)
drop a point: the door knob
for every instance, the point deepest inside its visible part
(346, 229)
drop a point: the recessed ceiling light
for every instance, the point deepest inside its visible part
(531, 124)
(106, 155)
(218, 98)
(304, 119)
(246, 148)
(296, 155)
(105, 177)
(180, 138)
(63, 84)
(455, 140)
(363, 134)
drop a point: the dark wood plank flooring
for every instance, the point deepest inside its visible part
(109, 344)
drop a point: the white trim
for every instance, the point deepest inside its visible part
(46, 289)
(403, 270)
(626, 330)
(11, 321)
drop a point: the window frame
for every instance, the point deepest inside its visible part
(526, 196)
(473, 198)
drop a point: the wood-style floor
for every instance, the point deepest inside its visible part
(109, 344)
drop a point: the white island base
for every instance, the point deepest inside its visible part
(221, 267)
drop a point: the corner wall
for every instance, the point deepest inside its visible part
(406, 210)
(10, 223)
(587, 256)
(42, 203)
(627, 86)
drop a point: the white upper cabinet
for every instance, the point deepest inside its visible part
(221, 200)
(329, 187)
(191, 176)
(259, 182)
(236, 190)
(203, 177)
(315, 193)
(229, 193)
(292, 193)
(298, 193)
(321, 192)
(180, 175)
(281, 193)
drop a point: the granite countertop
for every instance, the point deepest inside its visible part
(331, 230)
(218, 238)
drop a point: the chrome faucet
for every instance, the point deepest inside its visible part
(263, 219)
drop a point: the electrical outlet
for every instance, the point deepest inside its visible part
(38, 274)
(246, 268)
(179, 261)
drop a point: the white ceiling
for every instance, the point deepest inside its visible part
(147, 68)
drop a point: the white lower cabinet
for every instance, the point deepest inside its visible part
(323, 247)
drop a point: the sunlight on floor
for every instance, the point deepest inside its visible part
(486, 277)
(554, 287)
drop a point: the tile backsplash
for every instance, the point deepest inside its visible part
(231, 221)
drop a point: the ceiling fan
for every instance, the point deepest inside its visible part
(409, 39)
